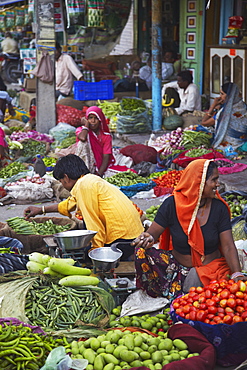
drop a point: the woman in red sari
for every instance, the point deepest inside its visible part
(196, 239)
(96, 133)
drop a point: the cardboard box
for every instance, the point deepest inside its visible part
(30, 84)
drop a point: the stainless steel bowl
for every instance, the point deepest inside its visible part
(74, 239)
(104, 258)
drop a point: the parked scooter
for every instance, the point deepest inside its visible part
(12, 67)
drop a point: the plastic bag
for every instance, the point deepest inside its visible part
(61, 131)
(131, 190)
(140, 302)
(134, 124)
(182, 160)
(44, 70)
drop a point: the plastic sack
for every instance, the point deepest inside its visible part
(183, 161)
(235, 167)
(61, 131)
(134, 124)
(70, 115)
(131, 190)
(140, 302)
(44, 69)
(140, 153)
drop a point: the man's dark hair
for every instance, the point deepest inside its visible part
(186, 76)
(72, 166)
(58, 46)
(212, 165)
(227, 87)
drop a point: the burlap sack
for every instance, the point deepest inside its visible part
(35, 243)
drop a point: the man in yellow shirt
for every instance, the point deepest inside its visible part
(103, 206)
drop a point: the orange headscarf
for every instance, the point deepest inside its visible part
(187, 196)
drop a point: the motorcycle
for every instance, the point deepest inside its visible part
(12, 67)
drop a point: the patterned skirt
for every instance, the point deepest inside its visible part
(159, 273)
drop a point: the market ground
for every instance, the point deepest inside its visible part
(236, 181)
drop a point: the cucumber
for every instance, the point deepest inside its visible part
(78, 280)
(62, 267)
(34, 266)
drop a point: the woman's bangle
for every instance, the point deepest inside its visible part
(85, 128)
(236, 274)
(43, 210)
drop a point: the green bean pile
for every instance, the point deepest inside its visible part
(58, 307)
(20, 348)
(12, 169)
(24, 227)
(126, 178)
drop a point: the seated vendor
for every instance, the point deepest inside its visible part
(196, 239)
(104, 207)
(129, 83)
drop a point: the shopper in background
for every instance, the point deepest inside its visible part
(66, 68)
(167, 68)
(9, 45)
(185, 92)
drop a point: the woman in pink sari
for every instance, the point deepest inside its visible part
(96, 133)
(4, 155)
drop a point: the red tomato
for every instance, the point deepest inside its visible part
(187, 316)
(190, 300)
(208, 294)
(232, 296)
(201, 315)
(176, 305)
(215, 299)
(179, 312)
(210, 316)
(227, 319)
(223, 303)
(223, 283)
(203, 306)
(221, 309)
(202, 299)
(192, 315)
(224, 294)
(192, 294)
(217, 319)
(230, 282)
(239, 295)
(236, 319)
(221, 315)
(245, 305)
(186, 308)
(192, 289)
(244, 316)
(199, 289)
(229, 309)
(240, 309)
(212, 309)
(207, 321)
(239, 302)
(231, 302)
(234, 288)
(210, 302)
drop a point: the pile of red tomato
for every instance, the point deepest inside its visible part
(220, 302)
(169, 179)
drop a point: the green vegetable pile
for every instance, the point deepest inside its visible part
(126, 178)
(12, 169)
(154, 175)
(194, 139)
(131, 106)
(51, 306)
(118, 350)
(15, 128)
(23, 349)
(197, 152)
(156, 324)
(65, 143)
(32, 147)
(22, 226)
(49, 161)
(236, 204)
(110, 109)
(152, 212)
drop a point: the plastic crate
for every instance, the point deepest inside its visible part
(93, 90)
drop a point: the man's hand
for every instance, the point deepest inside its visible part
(32, 211)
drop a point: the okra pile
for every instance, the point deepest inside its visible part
(21, 226)
(51, 306)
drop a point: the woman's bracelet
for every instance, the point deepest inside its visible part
(43, 210)
(236, 274)
(84, 128)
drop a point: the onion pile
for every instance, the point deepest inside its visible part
(172, 141)
(35, 135)
(36, 179)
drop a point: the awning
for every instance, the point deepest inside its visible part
(7, 2)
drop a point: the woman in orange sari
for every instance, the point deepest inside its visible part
(196, 244)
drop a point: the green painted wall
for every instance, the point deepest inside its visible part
(191, 35)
